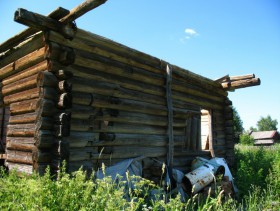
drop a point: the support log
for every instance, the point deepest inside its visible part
(241, 84)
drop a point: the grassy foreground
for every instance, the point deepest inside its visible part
(257, 175)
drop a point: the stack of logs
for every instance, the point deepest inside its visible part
(90, 100)
(119, 106)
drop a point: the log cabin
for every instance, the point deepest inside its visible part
(76, 96)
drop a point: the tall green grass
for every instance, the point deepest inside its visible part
(257, 175)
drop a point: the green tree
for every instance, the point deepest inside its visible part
(267, 123)
(237, 122)
(253, 129)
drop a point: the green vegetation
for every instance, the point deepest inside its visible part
(237, 124)
(257, 175)
(265, 124)
(246, 139)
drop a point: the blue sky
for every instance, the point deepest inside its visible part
(212, 38)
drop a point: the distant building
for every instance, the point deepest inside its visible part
(266, 138)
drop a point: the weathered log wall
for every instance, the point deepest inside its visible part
(20, 94)
(119, 106)
(91, 101)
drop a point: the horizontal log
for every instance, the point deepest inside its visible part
(20, 85)
(26, 73)
(144, 119)
(13, 41)
(138, 140)
(19, 156)
(83, 125)
(27, 45)
(25, 62)
(122, 83)
(136, 129)
(90, 48)
(109, 67)
(241, 77)
(121, 70)
(26, 106)
(20, 168)
(117, 153)
(103, 88)
(84, 112)
(41, 22)
(84, 72)
(81, 139)
(23, 118)
(241, 84)
(22, 130)
(20, 143)
(146, 59)
(127, 105)
(20, 96)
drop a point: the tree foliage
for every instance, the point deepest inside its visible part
(237, 122)
(267, 123)
(246, 139)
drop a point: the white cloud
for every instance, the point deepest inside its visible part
(191, 32)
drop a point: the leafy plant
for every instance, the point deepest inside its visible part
(246, 139)
(257, 175)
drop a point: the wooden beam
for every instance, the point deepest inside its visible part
(41, 22)
(63, 26)
(56, 14)
(81, 10)
(241, 84)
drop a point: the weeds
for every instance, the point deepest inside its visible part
(257, 176)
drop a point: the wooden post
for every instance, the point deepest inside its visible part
(170, 116)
